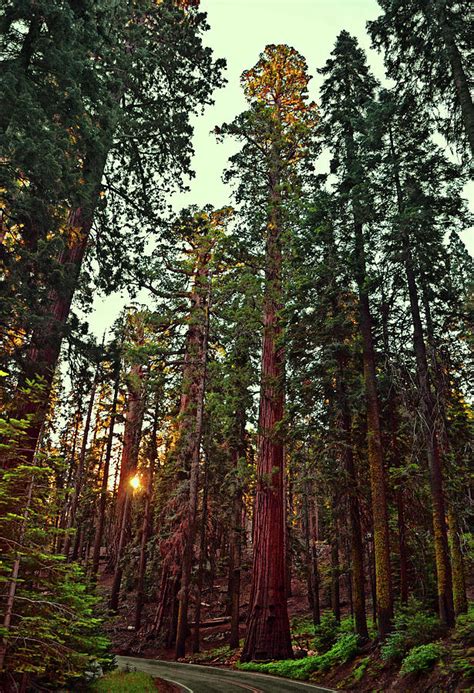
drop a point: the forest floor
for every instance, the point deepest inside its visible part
(366, 671)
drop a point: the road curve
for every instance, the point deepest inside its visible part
(194, 678)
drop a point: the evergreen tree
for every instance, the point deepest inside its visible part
(346, 94)
(145, 133)
(425, 189)
(427, 47)
(277, 134)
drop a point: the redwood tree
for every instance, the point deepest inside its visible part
(276, 133)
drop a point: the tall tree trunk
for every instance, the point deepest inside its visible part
(190, 527)
(383, 579)
(443, 567)
(236, 552)
(373, 586)
(457, 563)
(131, 435)
(236, 548)
(80, 473)
(128, 467)
(268, 628)
(335, 591)
(357, 549)
(311, 555)
(122, 542)
(288, 495)
(45, 344)
(440, 532)
(147, 517)
(99, 533)
(202, 558)
(396, 462)
(62, 511)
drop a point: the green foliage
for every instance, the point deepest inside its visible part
(129, 681)
(463, 666)
(329, 630)
(412, 626)
(51, 633)
(342, 651)
(302, 626)
(421, 658)
(465, 626)
(418, 40)
(360, 670)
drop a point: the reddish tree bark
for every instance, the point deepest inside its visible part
(45, 343)
(128, 467)
(202, 558)
(99, 532)
(178, 549)
(268, 628)
(195, 435)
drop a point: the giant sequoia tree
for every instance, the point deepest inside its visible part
(277, 133)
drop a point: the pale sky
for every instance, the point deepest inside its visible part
(240, 29)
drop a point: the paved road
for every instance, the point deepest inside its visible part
(194, 678)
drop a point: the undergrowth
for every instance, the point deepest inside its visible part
(342, 651)
(412, 626)
(421, 658)
(415, 644)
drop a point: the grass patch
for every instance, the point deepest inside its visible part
(301, 669)
(125, 682)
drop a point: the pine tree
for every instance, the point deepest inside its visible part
(426, 47)
(348, 78)
(49, 633)
(425, 190)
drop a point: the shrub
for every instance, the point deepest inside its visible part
(329, 630)
(342, 651)
(463, 666)
(421, 658)
(412, 626)
(302, 626)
